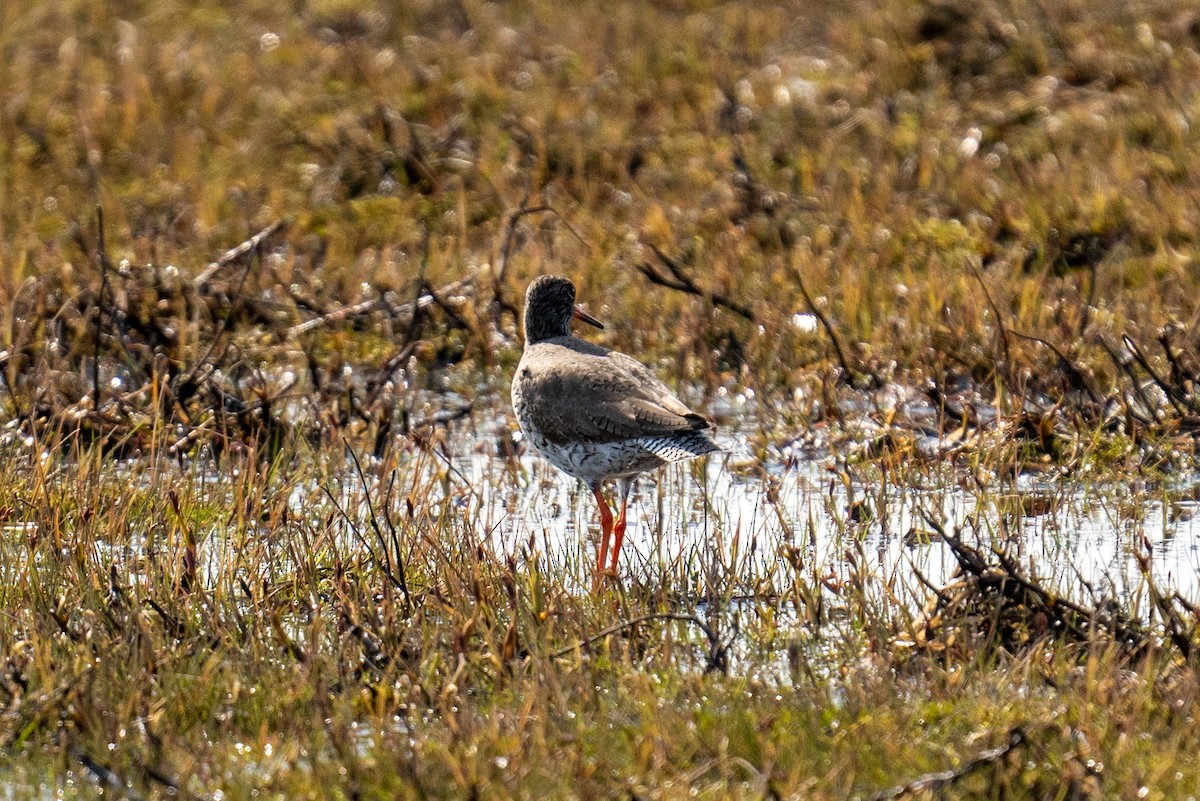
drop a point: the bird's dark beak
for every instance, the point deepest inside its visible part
(580, 314)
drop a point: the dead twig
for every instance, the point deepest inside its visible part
(1026, 598)
(424, 300)
(1074, 374)
(1179, 632)
(680, 281)
(1151, 415)
(945, 778)
(830, 331)
(716, 658)
(332, 317)
(103, 775)
(1182, 376)
(1008, 363)
(523, 209)
(1173, 395)
(101, 311)
(236, 253)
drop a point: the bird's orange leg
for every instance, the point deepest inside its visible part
(606, 528)
(624, 485)
(618, 534)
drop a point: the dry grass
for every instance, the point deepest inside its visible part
(248, 630)
(900, 158)
(239, 555)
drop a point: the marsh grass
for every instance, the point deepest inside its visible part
(243, 626)
(266, 531)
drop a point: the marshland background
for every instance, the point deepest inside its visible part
(267, 530)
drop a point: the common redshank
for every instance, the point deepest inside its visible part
(595, 413)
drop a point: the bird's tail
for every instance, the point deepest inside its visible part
(680, 447)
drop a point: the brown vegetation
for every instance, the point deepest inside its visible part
(260, 267)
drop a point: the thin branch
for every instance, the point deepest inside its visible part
(1124, 365)
(510, 233)
(1174, 396)
(1178, 374)
(425, 299)
(828, 326)
(105, 293)
(944, 778)
(506, 250)
(625, 624)
(103, 775)
(1073, 372)
(334, 316)
(236, 253)
(1019, 590)
(400, 579)
(679, 280)
(1008, 363)
(1177, 630)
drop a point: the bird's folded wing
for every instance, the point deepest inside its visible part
(605, 399)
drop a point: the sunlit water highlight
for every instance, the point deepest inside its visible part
(687, 516)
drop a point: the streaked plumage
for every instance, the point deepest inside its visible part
(592, 412)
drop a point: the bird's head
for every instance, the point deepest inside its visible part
(549, 308)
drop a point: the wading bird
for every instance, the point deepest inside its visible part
(595, 413)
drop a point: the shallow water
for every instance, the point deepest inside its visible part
(708, 525)
(686, 517)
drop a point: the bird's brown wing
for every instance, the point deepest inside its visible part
(600, 396)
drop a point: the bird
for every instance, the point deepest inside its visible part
(595, 413)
